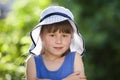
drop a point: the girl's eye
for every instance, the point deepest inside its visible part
(65, 35)
(52, 35)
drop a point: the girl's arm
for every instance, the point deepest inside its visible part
(78, 70)
(30, 68)
(79, 67)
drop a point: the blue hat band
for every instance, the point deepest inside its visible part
(55, 13)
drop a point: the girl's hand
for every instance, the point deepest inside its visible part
(75, 76)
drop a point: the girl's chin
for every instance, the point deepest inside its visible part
(59, 54)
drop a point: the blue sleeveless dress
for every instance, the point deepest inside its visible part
(65, 69)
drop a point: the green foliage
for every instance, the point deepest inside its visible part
(99, 21)
(14, 37)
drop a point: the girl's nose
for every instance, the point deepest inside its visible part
(58, 40)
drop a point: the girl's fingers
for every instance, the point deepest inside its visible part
(77, 73)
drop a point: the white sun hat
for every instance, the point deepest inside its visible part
(50, 15)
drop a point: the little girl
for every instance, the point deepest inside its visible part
(57, 47)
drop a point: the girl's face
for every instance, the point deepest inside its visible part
(56, 43)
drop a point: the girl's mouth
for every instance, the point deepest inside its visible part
(58, 48)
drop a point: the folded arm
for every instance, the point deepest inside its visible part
(78, 69)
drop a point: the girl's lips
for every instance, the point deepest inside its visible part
(58, 48)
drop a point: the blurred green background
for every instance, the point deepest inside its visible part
(98, 22)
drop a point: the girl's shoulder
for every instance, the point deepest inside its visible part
(30, 59)
(30, 68)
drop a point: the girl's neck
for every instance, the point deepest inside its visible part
(51, 62)
(51, 57)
